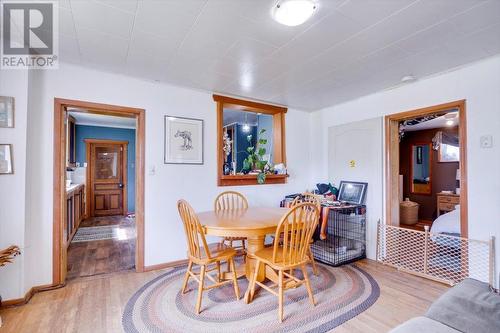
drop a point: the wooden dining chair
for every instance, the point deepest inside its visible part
(313, 199)
(203, 254)
(232, 200)
(297, 226)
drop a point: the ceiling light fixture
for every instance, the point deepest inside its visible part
(293, 12)
(449, 122)
(246, 127)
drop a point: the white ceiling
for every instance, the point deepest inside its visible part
(91, 119)
(349, 48)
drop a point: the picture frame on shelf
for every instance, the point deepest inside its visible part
(352, 192)
(7, 108)
(183, 140)
(6, 163)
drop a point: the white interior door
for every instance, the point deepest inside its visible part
(355, 154)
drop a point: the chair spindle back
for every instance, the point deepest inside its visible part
(306, 197)
(230, 200)
(195, 235)
(297, 227)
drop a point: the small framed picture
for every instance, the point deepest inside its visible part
(352, 192)
(183, 140)
(448, 153)
(6, 159)
(6, 111)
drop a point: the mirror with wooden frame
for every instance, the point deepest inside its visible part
(421, 168)
(250, 142)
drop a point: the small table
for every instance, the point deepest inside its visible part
(446, 202)
(252, 223)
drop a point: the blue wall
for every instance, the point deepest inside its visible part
(109, 133)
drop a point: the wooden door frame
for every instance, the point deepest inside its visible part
(392, 159)
(88, 193)
(59, 259)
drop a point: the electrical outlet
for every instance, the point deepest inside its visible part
(486, 141)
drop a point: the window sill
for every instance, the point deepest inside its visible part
(238, 180)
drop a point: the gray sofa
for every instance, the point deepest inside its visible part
(470, 306)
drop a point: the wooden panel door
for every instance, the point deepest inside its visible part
(108, 174)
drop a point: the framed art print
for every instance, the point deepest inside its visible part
(352, 192)
(6, 111)
(183, 140)
(6, 159)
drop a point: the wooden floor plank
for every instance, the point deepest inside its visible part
(95, 304)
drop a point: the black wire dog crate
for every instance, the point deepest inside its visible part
(345, 236)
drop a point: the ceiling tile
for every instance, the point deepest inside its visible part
(98, 17)
(250, 51)
(368, 12)
(429, 38)
(347, 49)
(95, 46)
(166, 18)
(126, 5)
(163, 47)
(479, 17)
(331, 30)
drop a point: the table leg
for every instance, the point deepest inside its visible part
(255, 243)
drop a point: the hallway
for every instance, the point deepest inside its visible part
(102, 245)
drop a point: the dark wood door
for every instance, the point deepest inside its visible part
(108, 172)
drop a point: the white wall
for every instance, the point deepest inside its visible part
(479, 84)
(164, 237)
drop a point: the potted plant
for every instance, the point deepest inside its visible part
(255, 160)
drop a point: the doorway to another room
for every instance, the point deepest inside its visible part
(426, 169)
(98, 219)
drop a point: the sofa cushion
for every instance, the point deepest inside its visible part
(470, 306)
(422, 325)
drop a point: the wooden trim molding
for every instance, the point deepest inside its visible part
(28, 295)
(171, 264)
(392, 159)
(279, 146)
(59, 260)
(242, 104)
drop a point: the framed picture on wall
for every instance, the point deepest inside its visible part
(6, 111)
(6, 159)
(183, 140)
(352, 192)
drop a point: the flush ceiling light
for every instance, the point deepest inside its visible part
(449, 122)
(293, 12)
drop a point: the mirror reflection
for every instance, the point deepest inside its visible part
(247, 143)
(421, 169)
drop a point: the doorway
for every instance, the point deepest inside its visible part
(111, 181)
(421, 178)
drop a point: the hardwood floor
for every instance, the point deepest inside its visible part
(103, 256)
(95, 304)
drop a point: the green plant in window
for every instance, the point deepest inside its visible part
(255, 159)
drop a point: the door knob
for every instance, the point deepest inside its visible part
(120, 185)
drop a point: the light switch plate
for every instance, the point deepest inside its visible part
(486, 141)
(151, 170)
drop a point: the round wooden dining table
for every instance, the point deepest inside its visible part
(253, 223)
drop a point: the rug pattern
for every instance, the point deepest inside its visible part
(87, 234)
(341, 293)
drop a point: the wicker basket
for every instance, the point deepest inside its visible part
(408, 212)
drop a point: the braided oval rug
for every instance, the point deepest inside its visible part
(341, 293)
